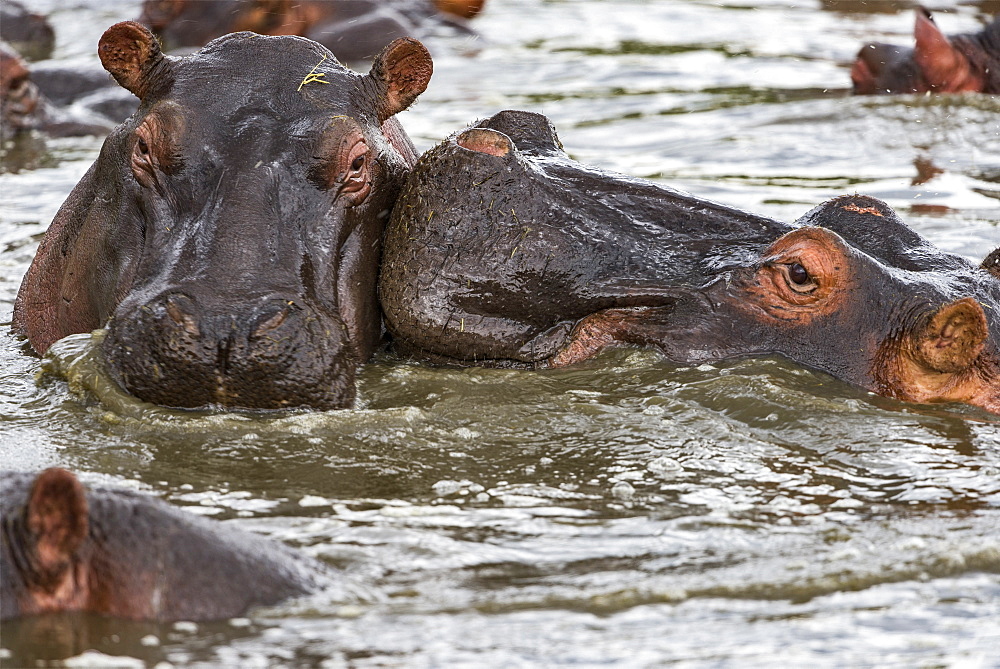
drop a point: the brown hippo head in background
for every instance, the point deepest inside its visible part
(936, 63)
(229, 233)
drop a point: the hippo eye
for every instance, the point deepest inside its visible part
(798, 279)
(343, 164)
(19, 85)
(143, 161)
(356, 183)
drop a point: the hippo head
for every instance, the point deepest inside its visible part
(935, 63)
(19, 97)
(230, 231)
(502, 250)
(120, 553)
(927, 322)
(855, 292)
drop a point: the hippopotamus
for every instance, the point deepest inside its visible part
(353, 29)
(504, 251)
(125, 554)
(991, 263)
(228, 234)
(23, 107)
(936, 64)
(29, 34)
(19, 108)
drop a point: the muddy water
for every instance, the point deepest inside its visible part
(626, 512)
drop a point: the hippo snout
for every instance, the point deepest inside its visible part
(268, 352)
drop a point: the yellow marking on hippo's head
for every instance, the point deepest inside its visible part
(313, 77)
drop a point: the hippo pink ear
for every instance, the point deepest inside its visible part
(945, 68)
(401, 72)
(485, 140)
(953, 338)
(130, 52)
(57, 521)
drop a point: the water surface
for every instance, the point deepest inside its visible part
(624, 512)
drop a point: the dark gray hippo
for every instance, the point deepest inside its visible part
(120, 553)
(504, 251)
(229, 233)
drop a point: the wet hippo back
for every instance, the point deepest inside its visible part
(352, 29)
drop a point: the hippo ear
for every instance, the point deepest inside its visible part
(463, 8)
(953, 338)
(57, 520)
(944, 67)
(401, 73)
(992, 263)
(130, 52)
(485, 140)
(529, 131)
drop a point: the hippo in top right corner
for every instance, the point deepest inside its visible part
(503, 251)
(936, 64)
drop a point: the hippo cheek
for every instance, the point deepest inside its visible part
(944, 358)
(279, 354)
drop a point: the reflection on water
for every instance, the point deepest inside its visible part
(626, 511)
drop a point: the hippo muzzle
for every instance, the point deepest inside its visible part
(254, 352)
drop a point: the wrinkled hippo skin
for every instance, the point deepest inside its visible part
(29, 34)
(504, 251)
(937, 64)
(23, 107)
(229, 233)
(124, 554)
(352, 29)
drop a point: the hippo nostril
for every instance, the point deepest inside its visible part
(180, 315)
(273, 320)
